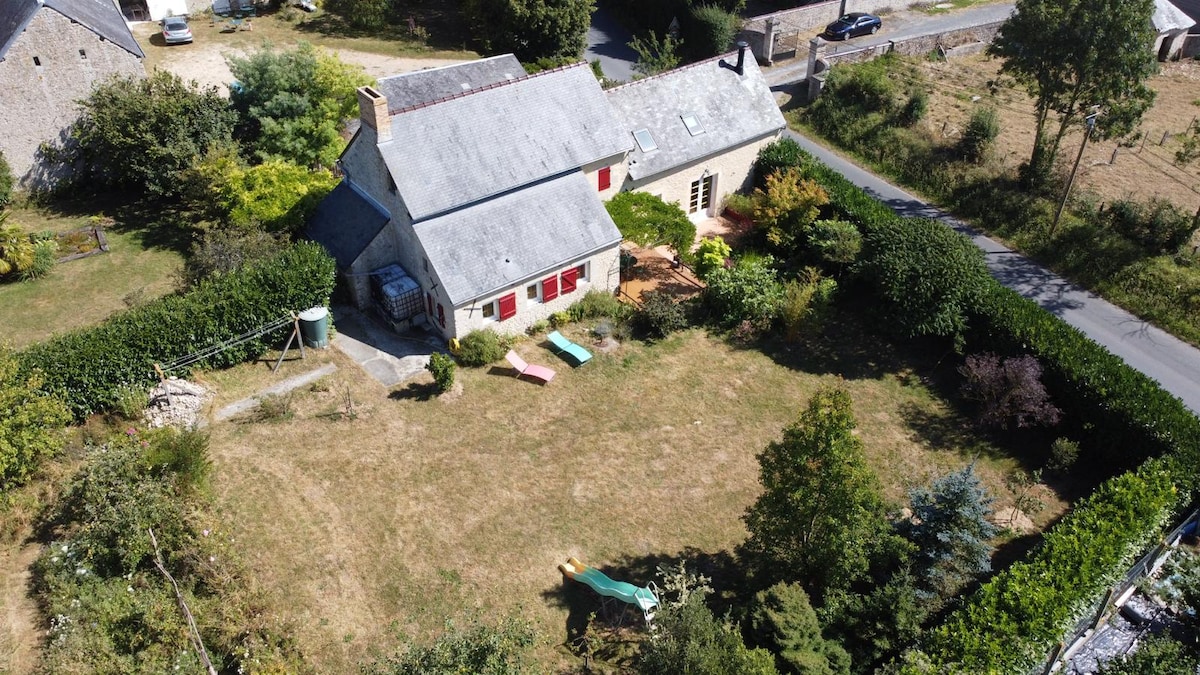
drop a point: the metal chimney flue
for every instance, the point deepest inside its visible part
(741, 62)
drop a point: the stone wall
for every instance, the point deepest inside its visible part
(51, 65)
(799, 22)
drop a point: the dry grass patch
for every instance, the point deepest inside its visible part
(1140, 172)
(423, 509)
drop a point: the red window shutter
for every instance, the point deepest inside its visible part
(568, 280)
(441, 315)
(549, 289)
(429, 302)
(605, 178)
(508, 306)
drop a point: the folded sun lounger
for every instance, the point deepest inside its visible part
(535, 371)
(562, 344)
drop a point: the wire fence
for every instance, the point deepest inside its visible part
(212, 350)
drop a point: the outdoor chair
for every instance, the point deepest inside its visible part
(535, 371)
(563, 345)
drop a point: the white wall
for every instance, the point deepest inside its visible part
(603, 275)
(617, 173)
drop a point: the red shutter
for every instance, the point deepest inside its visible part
(605, 178)
(429, 302)
(568, 280)
(441, 315)
(508, 306)
(549, 289)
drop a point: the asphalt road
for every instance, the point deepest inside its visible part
(1169, 360)
(608, 41)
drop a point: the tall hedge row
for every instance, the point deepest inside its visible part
(1015, 618)
(88, 368)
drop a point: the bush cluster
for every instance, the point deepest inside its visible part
(1013, 620)
(481, 347)
(1158, 226)
(441, 367)
(89, 368)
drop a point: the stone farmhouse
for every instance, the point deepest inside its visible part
(52, 52)
(473, 195)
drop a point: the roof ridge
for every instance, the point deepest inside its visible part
(487, 87)
(680, 69)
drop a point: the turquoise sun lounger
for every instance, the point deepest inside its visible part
(562, 344)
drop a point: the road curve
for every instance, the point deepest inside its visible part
(1165, 358)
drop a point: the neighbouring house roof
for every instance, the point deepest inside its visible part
(1169, 18)
(482, 249)
(345, 223)
(728, 110)
(431, 84)
(458, 151)
(102, 17)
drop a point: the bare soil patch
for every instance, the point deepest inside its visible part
(1145, 170)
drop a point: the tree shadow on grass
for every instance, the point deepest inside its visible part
(442, 22)
(153, 224)
(727, 578)
(415, 391)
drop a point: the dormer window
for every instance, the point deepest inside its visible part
(693, 124)
(644, 140)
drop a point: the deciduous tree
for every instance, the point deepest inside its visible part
(1071, 55)
(292, 104)
(821, 507)
(142, 133)
(1009, 391)
(30, 422)
(647, 221)
(531, 29)
(788, 205)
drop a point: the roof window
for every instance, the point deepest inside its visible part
(644, 140)
(693, 124)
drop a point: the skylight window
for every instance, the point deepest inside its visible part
(693, 125)
(644, 140)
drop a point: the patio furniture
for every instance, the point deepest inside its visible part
(562, 344)
(535, 371)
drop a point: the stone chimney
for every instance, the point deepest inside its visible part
(741, 45)
(373, 109)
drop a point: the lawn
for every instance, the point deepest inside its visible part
(85, 291)
(421, 509)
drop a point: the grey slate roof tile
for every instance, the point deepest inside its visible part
(345, 224)
(732, 109)
(490, 246)
(462, 150)
(431, 84)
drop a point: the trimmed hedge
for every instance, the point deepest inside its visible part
(88, 368)
(1014, 619)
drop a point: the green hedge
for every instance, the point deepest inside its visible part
(87, 368)
(1011, 623)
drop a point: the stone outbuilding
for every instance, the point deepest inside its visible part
(52, 53)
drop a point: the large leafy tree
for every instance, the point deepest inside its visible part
(292, 104)
(141, 133)
(1071, 55)
(950, 532)
(531, 29)
(821, 507)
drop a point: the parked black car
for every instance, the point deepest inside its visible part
(852, 25)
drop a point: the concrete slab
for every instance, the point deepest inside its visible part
(383, 354)
(249, 403)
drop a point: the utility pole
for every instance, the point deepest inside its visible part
(1091, 124)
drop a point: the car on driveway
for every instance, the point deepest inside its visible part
(175, 30)
(852, 25)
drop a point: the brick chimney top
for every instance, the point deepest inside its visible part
(373, 109)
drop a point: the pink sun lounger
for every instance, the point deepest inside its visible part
(535, 371)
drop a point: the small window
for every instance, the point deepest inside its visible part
(83, 53)
(441, 315)
(425, 263)
(37, 61)
(489, 310)
(508, 306)
(644, 140)
(531, 292)
(693, 125)
(581, 272)
(429, 303)
(605, 178)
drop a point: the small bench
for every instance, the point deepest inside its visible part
(562, 344)
(535, 371)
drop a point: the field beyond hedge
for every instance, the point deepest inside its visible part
(422, 509)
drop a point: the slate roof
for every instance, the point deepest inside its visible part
(458, 151)
(480, 250)
(345, 223)
(732, 110)
(1167, 17)
(431, 84)
(102, 17)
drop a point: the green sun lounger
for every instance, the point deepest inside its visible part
(562, 344)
